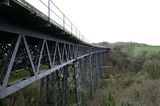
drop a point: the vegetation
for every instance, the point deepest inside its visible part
(147, 48)
(84, 97)
(23, 74)
(19, 76)
(30, 96)
(132, 77)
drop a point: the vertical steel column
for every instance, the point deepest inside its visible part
(77, 83)
(81, 71)
(97, 69)
(106, 58)
(53, 89)
(59, 87)
(64, 87)
(100, 64)
(94, 72)
(43, 91)
(91, 74)
(48, 89)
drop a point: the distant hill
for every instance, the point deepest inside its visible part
(111, 45)
(105, 44)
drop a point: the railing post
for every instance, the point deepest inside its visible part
(71, 28)
(49, 11)
(76, 32)
(63, 22)
(79, 36)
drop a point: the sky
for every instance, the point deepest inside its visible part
(113, 20)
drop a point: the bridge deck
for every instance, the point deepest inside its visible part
(25, 15)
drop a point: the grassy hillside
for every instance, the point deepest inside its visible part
(147, 48)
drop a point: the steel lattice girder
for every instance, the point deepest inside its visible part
(64, 54)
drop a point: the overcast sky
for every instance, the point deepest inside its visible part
(114, 20)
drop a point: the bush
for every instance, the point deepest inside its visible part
(152, 67)
(127, 83)
(109, 99)
(125, 104)
(152, 55)
(150, 93)
(137, 95)
(84, 98)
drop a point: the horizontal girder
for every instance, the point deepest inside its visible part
(39, 56)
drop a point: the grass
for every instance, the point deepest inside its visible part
(19, 75)
(147, 48)
(23, 74)
(128, 90)
(43, 67)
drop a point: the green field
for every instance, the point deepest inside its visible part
(147, 48)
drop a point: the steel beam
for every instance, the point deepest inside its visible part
(6, 78)
(11, 28)
(11, 89)
(4, 2)
(29, 55)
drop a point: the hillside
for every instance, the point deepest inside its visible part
(107, 44)
(131, 77)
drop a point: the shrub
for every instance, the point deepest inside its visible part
(109, 99)
(84, 98)
(125, 104)
(151, 93)
(152, 67)
(127, 83)
(137, 95)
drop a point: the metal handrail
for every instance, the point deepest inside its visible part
(72, 28)
(50, 10)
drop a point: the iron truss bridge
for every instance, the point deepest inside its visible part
(35, 47)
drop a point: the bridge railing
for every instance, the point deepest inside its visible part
(55, 15)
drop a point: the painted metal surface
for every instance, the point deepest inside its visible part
(29, 54)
